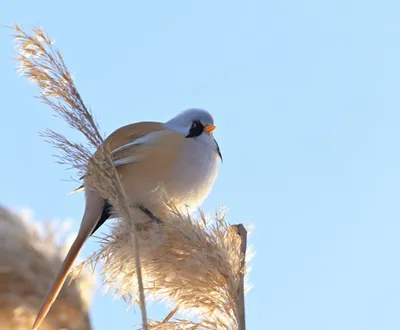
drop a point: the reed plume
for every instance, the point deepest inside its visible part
(30, 253)
(192, 262)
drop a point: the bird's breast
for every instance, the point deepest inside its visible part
(194, 174)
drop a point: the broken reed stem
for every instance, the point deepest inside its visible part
(240, 303)
(40, 62)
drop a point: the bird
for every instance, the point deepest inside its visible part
(178, 159)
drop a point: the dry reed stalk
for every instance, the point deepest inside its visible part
(28, 259)
(45, 66)
(194, 264)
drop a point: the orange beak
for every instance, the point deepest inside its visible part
(209, 128)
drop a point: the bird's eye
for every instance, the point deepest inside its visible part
(195, 129)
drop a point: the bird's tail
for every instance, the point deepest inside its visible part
(94, 207)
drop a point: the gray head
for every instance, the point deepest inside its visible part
(196, 124)
(192, 123)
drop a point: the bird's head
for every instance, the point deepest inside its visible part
(192, 123)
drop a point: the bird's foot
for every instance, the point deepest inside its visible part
(152, 217)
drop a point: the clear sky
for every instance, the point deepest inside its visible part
(305, 95)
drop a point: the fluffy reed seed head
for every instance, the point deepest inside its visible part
(29, 259)
(193, 263)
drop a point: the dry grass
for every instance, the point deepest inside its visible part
(29, 257)
(195, 264)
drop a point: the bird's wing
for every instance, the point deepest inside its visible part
(124, 144)
(132, 132)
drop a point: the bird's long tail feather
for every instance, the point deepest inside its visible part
(94, 207)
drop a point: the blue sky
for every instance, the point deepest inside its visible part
(305, 97)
